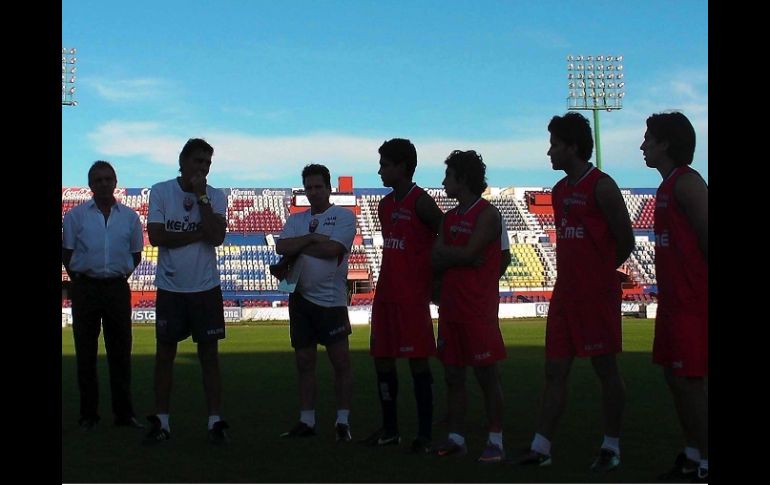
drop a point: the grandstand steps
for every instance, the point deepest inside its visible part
(549, 259)
(529, 219)
(258, 214)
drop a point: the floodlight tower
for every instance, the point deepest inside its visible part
(68, 69)
(595, 83)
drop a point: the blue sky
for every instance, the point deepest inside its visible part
(275, 85)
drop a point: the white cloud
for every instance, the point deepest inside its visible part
(685, 88)
(137, 139)
(257, 158)
(682, 86)
(247, 157)
(129, 89)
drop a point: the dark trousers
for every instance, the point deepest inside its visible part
(97, 303)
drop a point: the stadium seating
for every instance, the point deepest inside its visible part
(641, 208)
(254, 215)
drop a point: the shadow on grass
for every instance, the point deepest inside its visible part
(260, 402)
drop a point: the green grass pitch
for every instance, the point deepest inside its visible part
(261, 401)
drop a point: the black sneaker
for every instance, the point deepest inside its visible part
(343, 432)
(449, 447)
(87, 424)
(420, 446)
(606, 460)
(492, 454)
(156, 433)
(533, 458)
(128, 423)
(301, 430)
(217, 435)
(381, 438)
(371, 440)
(389, 439)
(683, 469)
(702, 476)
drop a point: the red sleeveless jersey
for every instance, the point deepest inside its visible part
(585, 248)
(468, 293)
(680, 266)
(405, 273)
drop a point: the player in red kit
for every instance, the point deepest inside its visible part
(681, 268)
(401, 323)
(468, 253)
(594, 237)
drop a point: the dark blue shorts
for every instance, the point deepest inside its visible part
(311, 324)
(179, 315)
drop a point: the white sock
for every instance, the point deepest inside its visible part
(704, 465)
(692, 454)
(541, 444)
(496, 439)
(213, 419)
(612, 444)
(457, 438)
(308, 417)
(342, 416)
(164, 421)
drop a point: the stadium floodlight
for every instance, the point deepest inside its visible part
(600, 96)
(68, 70)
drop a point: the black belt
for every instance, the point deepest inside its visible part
(103, 281)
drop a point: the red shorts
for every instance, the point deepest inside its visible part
(583, 327)
(401, 330)
(473, 343)
(681, 341)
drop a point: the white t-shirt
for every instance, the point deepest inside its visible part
(190, 268)
(323, 281)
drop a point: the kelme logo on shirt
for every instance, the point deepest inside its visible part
(179, 226)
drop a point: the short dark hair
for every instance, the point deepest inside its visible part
(470, 167)
(677, 130)
(193, 145)
(574, 129)
(100, 164)
(317, 169)
(400, 150)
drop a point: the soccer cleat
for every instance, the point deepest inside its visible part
(128, 423)
(683, 469)
(701, 476)
(343, 432)
(301, 430)
(87, 424)
(532, 457)
(156, 433)
(491, 454)
(381, 438)
(387, 440)
(606, 461)
(419, 446)
(450, 447)
(217, 434)
(371, 440)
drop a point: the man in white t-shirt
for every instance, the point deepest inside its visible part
(318, 242)
(186, 221)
